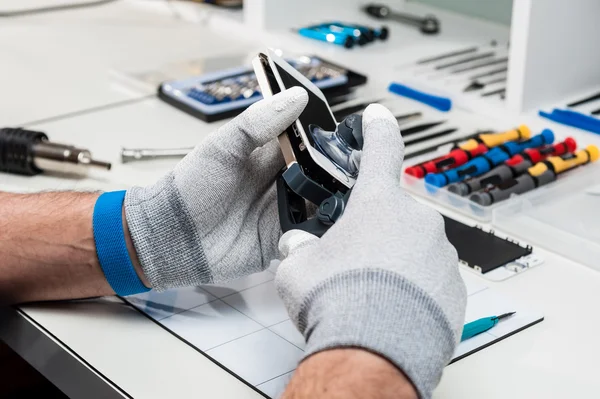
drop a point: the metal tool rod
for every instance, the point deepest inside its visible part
(501, 91)
(419, 128)
(407, 19)
(406, 118)
(466, 60)
(480, 65)
(409, 141)
(428, 24)
(489, 73)
(139, 154)
(448, 55)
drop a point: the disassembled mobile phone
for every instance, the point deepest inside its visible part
(310, 173)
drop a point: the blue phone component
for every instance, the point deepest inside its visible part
(484, 163)
(437, 102)
(574, 119)
(327, 35)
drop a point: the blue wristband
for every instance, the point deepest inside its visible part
(110, 245)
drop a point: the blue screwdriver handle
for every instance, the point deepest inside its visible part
(516, 147)
(477, 327)
(326, 36)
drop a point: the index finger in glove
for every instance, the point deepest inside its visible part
(383, 149)
(264, 121)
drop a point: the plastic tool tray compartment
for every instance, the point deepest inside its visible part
(563, 217)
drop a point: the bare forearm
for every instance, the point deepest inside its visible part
(47, 249)
(348, 374)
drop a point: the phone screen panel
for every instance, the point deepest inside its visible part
(320, 168)
(316, 111)
(479, 248)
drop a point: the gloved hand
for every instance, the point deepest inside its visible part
(385, 277)
(214, 217)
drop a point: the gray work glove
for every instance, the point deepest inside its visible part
(214, 217)
(385, 277)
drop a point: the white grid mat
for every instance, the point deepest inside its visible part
(245, 327)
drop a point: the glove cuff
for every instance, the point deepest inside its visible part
(164, 236)
(386, 314)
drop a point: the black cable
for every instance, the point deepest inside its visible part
(62, 7)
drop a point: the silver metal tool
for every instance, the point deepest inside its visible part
(489, 73)
(428, 25)
(503, 60)
(141, 154)
(29, 152)
(448, 55)
(63, 158)
(501, 92)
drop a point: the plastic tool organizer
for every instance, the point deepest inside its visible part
(415, 183)
(562, 217)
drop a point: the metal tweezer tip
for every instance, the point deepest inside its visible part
(505, 315)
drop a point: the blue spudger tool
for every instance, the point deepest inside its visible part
(573, 118)
(437, 102)
(482, 325)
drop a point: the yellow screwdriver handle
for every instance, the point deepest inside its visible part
(538, 169)
(589, 154)
(495, 139)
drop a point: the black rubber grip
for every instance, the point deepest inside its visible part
(16, 154)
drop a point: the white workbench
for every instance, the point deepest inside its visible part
(103, 348)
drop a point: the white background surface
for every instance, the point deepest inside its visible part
(64, 60)
(60, 63)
